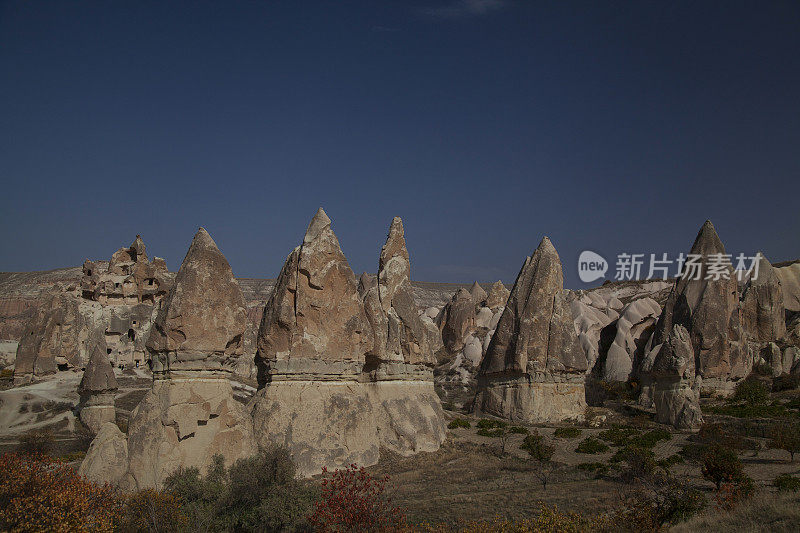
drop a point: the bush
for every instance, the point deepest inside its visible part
(542, 454)
(787, 483)
(640, 463)
(38, 493)
(599, 469)
(671, 461)
(353, 500)
(485, 423)
(38, 442)
(751, 392)
(721, 465)
(567, 433)
(786, 437)
(151, 510)
(653, 506)
(591, 445)
(651, 438)
(459, 423)
(257, 493)
(618, 435)
(785, 382)
(518, 430)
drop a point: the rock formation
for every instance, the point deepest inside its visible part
(53, 339)
(190, 414)
(312, 343)
(709, 310)
(498, 294)
(407, 410)
(763, 313)
(790, 285)
(97, 387)
(675, 394)
(634, 324)
(533, 370)
(456, 320)
(106, 460)
(342, 372)
(478, 294)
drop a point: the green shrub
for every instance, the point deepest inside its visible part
(485, 423)
(787, 483)
(785, 382)
(751, 392)
(459, 423)
(640, 463)
(721, 465)
(599, 469)
(591, 445)
(542, 454)
(651, 438)
(259, 493)
(495, 432)
(567, 433)
(672, 460)
(37, 442)
(786, 437)
(618, 435)
(518, 430)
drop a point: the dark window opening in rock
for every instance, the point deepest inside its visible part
(134, 322)
(212, 416)
(62, 367)
(371, 364)
(108, 351)
(202, 422)
(189, 436)
(131, 334)
(89, 273)
(137, 363)
(116, 285)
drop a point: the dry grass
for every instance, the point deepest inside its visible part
(765, 512)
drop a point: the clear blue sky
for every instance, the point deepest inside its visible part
(485, 124)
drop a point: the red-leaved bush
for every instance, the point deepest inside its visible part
(353, 500)
(38, 493)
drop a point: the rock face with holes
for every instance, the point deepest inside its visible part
(344, 368)
(97, 387)
(676, 394)
(53, 339)
(533, 370)
(190, 414)
(705, 301)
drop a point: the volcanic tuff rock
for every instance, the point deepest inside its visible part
(675, 394)
(762, 304)
(407, 410)
(635, 323)
(107, 458)
(342, 372)
(790, 285)
(201, 322)
(55, 337)
(478, 294)
(709, 310)
(97, 387)
(456, 320)
(190, 414)
(498, 294)
(534, 368)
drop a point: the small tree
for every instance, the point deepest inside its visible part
(721, 465)
(542, 454)
(353, 500)
(502, 434)
(787, 437)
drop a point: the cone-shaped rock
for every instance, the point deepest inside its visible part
(763, 314)
(478, 294)
(407, 410)
(705, 301)
(533, 368)
(312, 344)
(675, 394)
(190, 414)
(97, 387)
(200, 325)
(498, 294)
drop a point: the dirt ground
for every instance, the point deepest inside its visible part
(469, 478)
